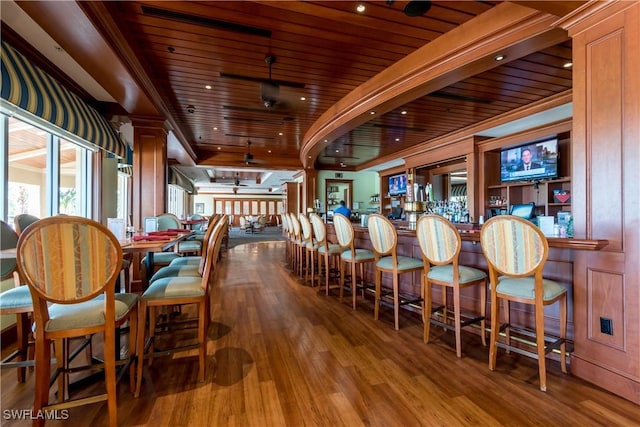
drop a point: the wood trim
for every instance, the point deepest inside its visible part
(436, 65)
(522, 137)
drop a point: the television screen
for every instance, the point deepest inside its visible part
(530, 162)
(397, 185)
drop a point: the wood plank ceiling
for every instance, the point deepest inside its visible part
(208, 62)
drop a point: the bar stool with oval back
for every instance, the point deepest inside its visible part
(384, 239)
(326, 251)
(516, 251)
(355, 257)
(71, 265)
(440, 244)
(309, 247)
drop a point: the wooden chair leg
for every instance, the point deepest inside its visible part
(378, 284)
(202, 340)
(426, 308)
(495, 327)
(507, 319)
(456, 319)
(342, 268)
(542, 366)
(142, 317)
(396, 301)
(43, 373)
(483, 312)
(110, 374)
(354, 285)
(22, 329)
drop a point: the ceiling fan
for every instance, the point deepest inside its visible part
(270, 94)
(248, 157)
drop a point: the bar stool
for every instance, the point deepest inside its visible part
(440, 244)
(309, 247)
(351, 255)
(516, 252)
(326, 251)
(384, 239)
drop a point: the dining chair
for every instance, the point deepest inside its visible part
(285, 232)
(327, 251)
(196, 259)
(440, 244)
(349, 254)
(185, 267)
(168, 221)
(516, 252)
(179, 291)
(22, 221)
(15, 300)
(71, 265)
(384, 239)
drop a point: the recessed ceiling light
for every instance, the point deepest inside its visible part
(215, 128)
(397, 139)
(280, 133)
(208, 87)
(219, 148)
(361, 8)
(269, 151)
(309, 156)
(568, 64)
(499, 57)
(372, 112)
(302, 98)
(403, 112)
(337, 151)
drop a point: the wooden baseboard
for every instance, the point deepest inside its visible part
(618, 384)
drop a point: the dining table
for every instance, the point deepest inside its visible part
(152, 243)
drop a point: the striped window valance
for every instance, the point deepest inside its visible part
(125, 169)
(27, 87)
(177, 178)
(459, 190)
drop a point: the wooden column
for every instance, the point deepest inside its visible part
(606, 154)
(149, 169)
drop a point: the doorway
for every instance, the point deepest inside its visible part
(337, 190)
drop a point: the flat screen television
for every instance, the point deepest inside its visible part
(530, 162)
(397, 185)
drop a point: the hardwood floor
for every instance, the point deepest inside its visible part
(281, 353)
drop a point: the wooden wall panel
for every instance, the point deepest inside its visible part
(605, 299)
(605, 176)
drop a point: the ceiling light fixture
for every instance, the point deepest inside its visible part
(403, 112)
(568, 64)
(361, 8)
(499, 57)
(208, 87)
(372, 112)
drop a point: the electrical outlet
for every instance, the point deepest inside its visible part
(606, 326)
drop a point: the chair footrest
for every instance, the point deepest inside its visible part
(450, 327)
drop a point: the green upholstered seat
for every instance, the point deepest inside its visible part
(174, 287)
(18, 297)
(445, 273)
(86, 314)
(360, 255)
(175, 271)
(525, 287)
(403, 263)
(186, 260)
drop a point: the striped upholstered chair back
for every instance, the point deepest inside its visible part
(513, 246)
(319, 229)
(306, 232)
(69, 259)
(344, 231)
(297, 233)
(384, 238)
(438, 238)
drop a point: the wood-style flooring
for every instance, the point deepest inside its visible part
(281, 353)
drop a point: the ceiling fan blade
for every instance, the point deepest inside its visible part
(286, 83)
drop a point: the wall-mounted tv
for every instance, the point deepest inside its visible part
(530, 162)
(397, 185)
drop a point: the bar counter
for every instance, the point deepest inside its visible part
(559, 267)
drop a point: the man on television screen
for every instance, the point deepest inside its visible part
(526, 162)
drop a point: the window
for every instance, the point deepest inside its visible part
(46, 175)
(176, 197)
